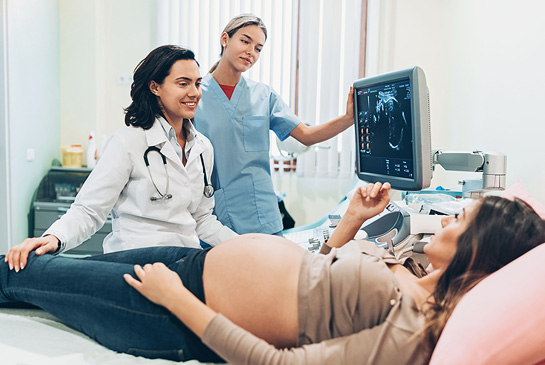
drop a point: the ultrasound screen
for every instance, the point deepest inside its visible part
(385, 129)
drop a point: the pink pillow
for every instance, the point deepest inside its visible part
(501, 320)
(517, 190)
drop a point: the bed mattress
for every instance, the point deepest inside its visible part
(32, 337)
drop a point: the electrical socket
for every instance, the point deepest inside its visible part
(124, 79)
(30, 154)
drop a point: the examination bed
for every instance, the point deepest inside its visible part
(31, 336)
(34, 337)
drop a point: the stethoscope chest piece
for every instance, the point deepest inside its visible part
(208, 191)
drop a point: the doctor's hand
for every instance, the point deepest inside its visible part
(368, 201)
(17, 256)
(157, 283)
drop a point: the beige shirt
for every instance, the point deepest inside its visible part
(351, 311)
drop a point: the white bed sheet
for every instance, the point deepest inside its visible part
(32, 337)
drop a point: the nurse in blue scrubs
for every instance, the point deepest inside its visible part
(236, 114)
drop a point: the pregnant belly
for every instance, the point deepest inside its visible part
(252, 280)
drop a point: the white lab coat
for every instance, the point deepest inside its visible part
(120, 183)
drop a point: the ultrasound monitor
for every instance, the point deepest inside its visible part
(391, 115)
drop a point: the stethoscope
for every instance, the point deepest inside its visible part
(208, 191)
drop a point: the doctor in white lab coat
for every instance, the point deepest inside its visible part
(153, 174)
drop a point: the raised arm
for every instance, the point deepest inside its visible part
(309, 135)
(367, 202)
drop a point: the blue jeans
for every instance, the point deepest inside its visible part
(91, 295)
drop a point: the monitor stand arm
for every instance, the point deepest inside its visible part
(492, 165)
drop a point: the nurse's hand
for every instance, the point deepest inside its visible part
(157, 283)
(350, 104)
(368, 201)
(17, 256)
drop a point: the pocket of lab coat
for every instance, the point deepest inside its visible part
(256, 133)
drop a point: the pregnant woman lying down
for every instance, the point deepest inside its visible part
(260, 299)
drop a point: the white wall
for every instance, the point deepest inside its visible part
(78, 70)
(33, 103)
(484, 62)
(5, 227)
(63, 59)
(100, 40)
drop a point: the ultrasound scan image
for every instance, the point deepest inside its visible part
(390, 113)
(384, 121)
(385, 128)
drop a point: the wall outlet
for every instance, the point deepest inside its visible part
(30, 154)
(124, 79)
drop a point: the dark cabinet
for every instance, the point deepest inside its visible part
(53, 198)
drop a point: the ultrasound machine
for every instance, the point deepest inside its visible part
(393, 144)
(391, 116)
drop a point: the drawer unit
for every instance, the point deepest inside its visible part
(53, 198)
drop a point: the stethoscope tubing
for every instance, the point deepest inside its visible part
(208, 190)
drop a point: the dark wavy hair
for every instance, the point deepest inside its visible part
(501, 231)
(155, 67)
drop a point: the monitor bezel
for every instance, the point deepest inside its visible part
(421, 146)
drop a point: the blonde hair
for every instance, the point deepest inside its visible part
(240, 21)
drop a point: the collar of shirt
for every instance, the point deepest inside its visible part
(191, 135)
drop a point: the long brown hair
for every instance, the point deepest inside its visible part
(501, 231)
(235, 24)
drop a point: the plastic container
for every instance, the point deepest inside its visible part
(92, 151)
(72, 156)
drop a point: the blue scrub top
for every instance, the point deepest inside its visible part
(239, 131)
